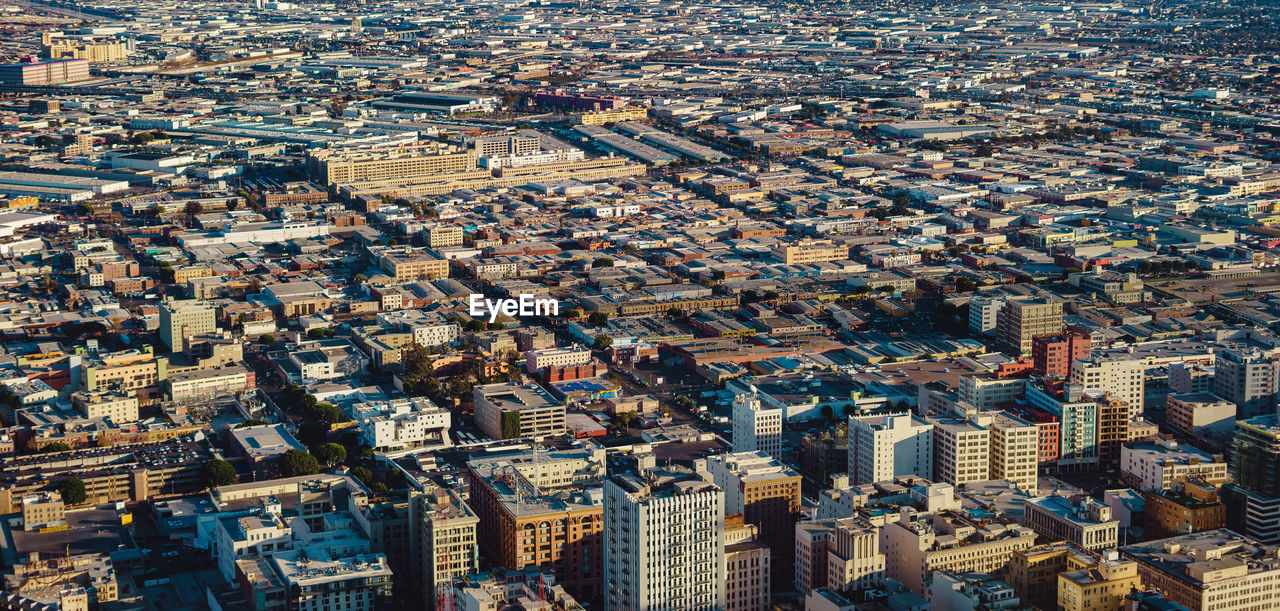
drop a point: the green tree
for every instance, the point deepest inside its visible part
(602, 342)
(363, 474)
(510, 425)
(297, 462)
(217, 472)
(56, 446)
(597, 319)
(964, 285)
(72, 491)
(330, 454)
(602, 262)
(267, 339)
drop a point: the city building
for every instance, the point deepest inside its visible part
(664, 543)
(756, 428)
(1103, 586)
(1079, 520)
(1054, 354)
(1216, 569)
(185, 318)
(882, 447)
(511, 411)
(915, 545)
(1248, 378)
(1019, 322)
(767, 494)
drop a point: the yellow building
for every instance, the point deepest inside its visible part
(811, 251)
(52, 47)
(613, 116)
(1101, 588)
(337, 168)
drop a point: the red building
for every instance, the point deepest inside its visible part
(1052, 354)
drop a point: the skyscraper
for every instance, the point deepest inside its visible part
(881, 447)
(663, 543)
(1253, 498)
(767, 494)
(185, 318)
(1249, 378)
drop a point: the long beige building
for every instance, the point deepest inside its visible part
(1215, 570)
(918, 544)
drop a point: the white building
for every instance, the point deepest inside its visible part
(756, 428)
(1156, 465)
(983, 312)
(428, 328)
(881, 447)
(1123, 378)
(402, 423)
(576, 354)
(663, 543)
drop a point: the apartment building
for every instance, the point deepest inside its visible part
(1200, 413)
(1014, 451)
(664, 543)
(985, 391)
(881, 447)
(1054, 354)
(1188, 507)
(407, 263)
(810, 251)
(1149, 465)
(119, 408)
(330, 168)
(853, 558)
(1019, 322)
(1103, 586)
(1079, 520)
(756, 428)
(1033, 572)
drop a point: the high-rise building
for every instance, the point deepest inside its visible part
(1190, 378)
(983, 313)
(446, 538)
(838, 553)
(1249, 378)
(767, 494)
(1053, 354)
(1123, 378)
(1077, 423)
(881, 447)
(1018, 322)
(961, 452)
(664, 543)
(746, 561)
(1253, 497)
(1113, 429)
(756, 428)
(185, 318)
(824, 454)
(1014, 451)
(1216, 570)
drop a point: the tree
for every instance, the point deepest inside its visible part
(597, 319)
(217, 472)
(363, 474)
(297, 462)
(675, 312)
(251, 422)
(602, 262)
(72, 491)
(56, 446)
(1023, 279)
(327, 413)
(193, 208)
(330, 454)
(964, 285)
(311, 432)
(267, 339)
(602, 342)
(827, 412)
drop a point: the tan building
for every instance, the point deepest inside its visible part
(1018, 322)
(1100, 588)
(1216, 570)
(811, 251)
(184, 318)
(918, 544)
(446, 537)
(1200, 413)
(182, 274)
(1033, 572)
(440, 236)
(767, 493)
(746, 561)
(336, 168)
(1014, 451)
(406, 264)
(961, 452)
(43, 512)
(854, 560)
(95, 51)
(1188, 507)
(118, 408)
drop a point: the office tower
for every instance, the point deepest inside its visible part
(1122, 378)
(748, 585)
(824, 454)
(756, 428)
(1018, 322)
(961, 452)
(854, 560)
(1053, 354)
(1253, 498)
(1248, 378)
(881, 447)
(185, 318)
(663, 543)
(767, 494)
